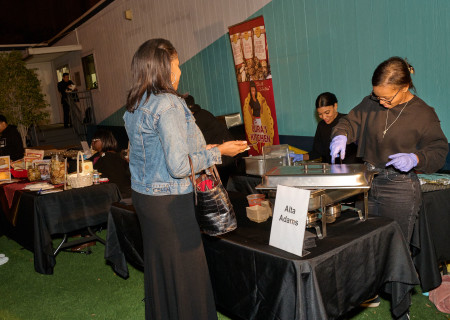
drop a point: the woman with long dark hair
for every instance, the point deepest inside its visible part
(327, 110)
(397, 133)
(162, 134)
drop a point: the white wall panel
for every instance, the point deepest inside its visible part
(191, 25)
(45, 74)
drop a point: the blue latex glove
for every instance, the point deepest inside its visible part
(402, 161)
(337, 146)
(296, 157)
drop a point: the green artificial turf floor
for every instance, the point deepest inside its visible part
(85, 287)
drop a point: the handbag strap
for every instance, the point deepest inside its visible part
(213, 172)
(79, 154)
(192, 176)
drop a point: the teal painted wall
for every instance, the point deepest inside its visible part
(330, 45)
(116, 119)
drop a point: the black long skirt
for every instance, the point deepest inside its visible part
(177, 283)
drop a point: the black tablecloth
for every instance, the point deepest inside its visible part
(243, 183)
(41, 216)
(430, 243)
(431, 236)
(123, 239)
(253, 280)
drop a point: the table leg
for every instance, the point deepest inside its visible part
(64, 244)
(366, 205)
(324, 217)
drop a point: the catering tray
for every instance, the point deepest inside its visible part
(255, 165)
(434, 182)
(318, 176)
(326, 197)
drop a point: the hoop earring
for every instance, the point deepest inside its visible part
(174, 78)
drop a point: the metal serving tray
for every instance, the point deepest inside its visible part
(258, 165)
(325, 197)
(318, 176)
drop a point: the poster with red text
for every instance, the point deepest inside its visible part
(251, 63)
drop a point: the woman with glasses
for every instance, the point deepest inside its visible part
(109, 162)
(397, 134)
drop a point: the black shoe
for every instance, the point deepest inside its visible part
(371, 303)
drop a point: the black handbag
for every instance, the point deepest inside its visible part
(213, 208)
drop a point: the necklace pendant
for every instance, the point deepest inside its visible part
(384, 132)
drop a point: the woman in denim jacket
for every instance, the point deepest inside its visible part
(162, 133)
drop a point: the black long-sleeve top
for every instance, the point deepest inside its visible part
(11, 143)
(112, 166)
(417, 130)
(322, 139)
(62, 88)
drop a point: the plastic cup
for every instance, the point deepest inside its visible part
(255, 199)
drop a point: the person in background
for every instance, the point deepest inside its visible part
(64, 86)
(327, 110)
(397, 133)
(109, 162)
(215, 132)
(163, 135)
(10, 141)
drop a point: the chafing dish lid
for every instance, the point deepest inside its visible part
(318, 175)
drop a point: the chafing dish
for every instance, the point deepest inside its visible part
(318, 176)
(329, 184)
(258, 165)
(273, 156)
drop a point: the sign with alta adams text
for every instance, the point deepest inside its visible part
(289, 219)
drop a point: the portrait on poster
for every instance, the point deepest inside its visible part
(258, 119)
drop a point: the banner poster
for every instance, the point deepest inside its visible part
(251, 63)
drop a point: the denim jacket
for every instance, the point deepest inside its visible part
(162, 133)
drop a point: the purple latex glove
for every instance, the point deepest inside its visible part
(296, 157)
(402, 161)
(337, 146)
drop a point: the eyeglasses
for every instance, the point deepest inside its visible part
(374, 97)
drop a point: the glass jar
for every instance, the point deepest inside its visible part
(57, 169)
(34, 174)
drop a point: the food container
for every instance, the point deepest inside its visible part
(255, 199)
(318, 176)
(57, 169)
(273, 156)
(254, 165)
(258, 213)
(19, 173)
(328, 185)
(258, 165)
(34, 174)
